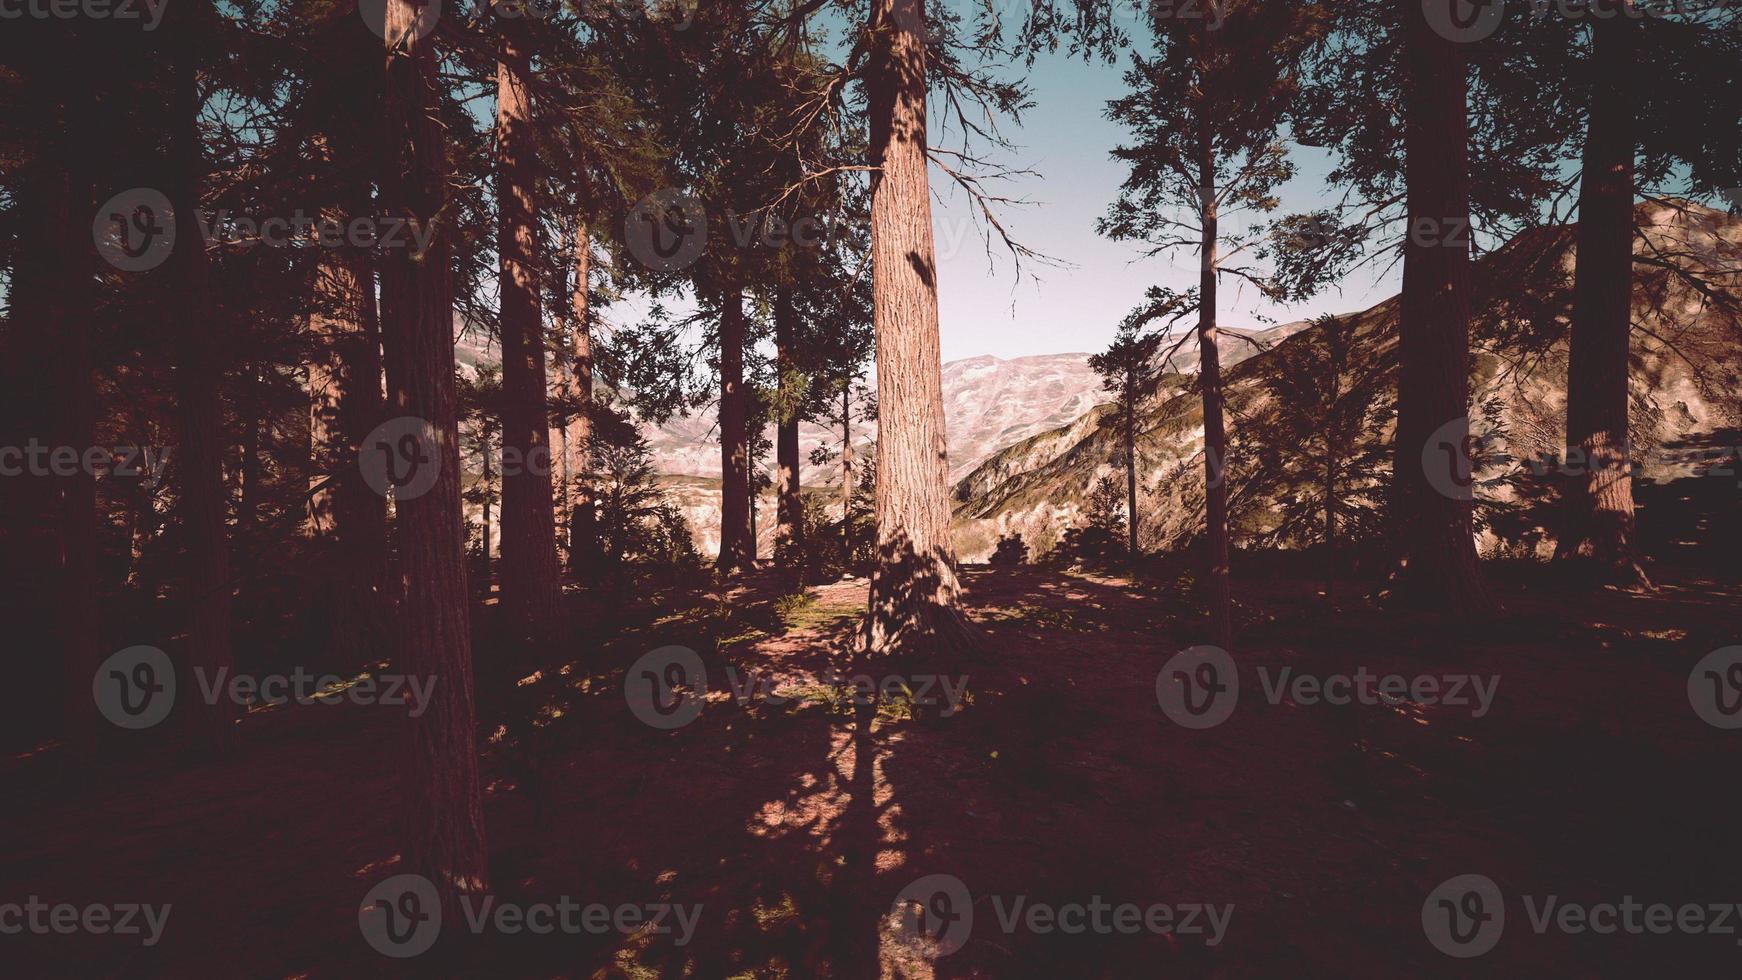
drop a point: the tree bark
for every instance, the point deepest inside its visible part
(52, 300)
(789, 533)
(582, 521)
(1217, 592)
(489, 485)
(1599, 523)
(847, 467)
(1436, 543)
(915, 597)
(445, 814)
(1131, 478)
(736, 547)
(531, 590)
(199, 476)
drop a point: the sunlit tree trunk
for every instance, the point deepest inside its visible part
(445, 815)
(847, 465)
(1600, 525)
(789, 534)
(530, 587)
(915, 597)
(578, 378)
(1437, 549)
(1131, 476)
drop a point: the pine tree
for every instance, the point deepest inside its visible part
(445, 818)
(530, 587)
(1131, 371)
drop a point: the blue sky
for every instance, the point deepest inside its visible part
(1067, 138)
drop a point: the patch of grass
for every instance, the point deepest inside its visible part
(803, 610)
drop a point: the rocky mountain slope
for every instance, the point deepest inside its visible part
(1685, 392)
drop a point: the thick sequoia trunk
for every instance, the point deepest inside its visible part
(198, 471)
(1599, 522)
(736, 547)
(1217, 592)
(445, 814)
(915, 598)
(530, 587)
(1436, 544)
(583, 528)
(789, 533)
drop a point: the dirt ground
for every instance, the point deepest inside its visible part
(796, 823)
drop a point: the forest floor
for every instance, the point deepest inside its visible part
(795, 825)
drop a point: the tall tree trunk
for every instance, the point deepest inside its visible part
(1437, 549)
(1216, 587)
(530, 586)
(789, 535)
(345, 404)
(489, 487)
(582, 519)
(735, 543)
(1131, 479)
(200, 494)
(1599, 522)
(445, 813)
(66, 295)
(847, 466)
(915, 597)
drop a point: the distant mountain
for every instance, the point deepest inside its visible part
(989, 403)
(1687, 393)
